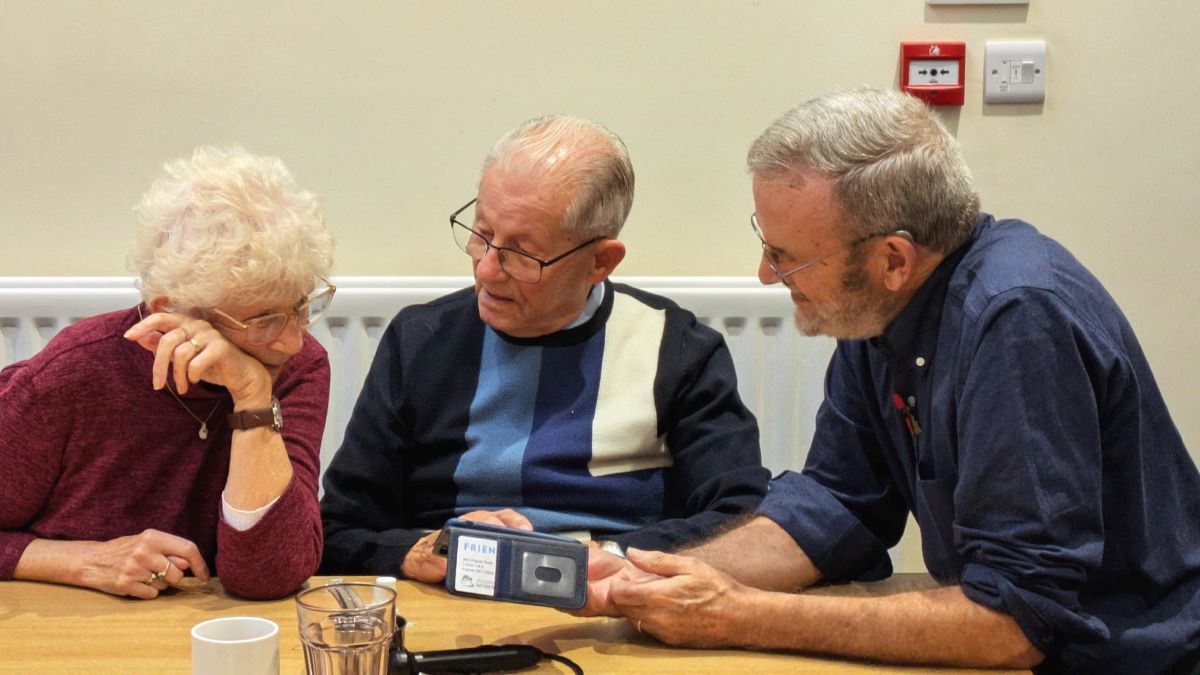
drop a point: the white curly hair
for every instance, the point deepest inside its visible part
(228, 225)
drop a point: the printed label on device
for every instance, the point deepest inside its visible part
(513, 565)
(476, 569)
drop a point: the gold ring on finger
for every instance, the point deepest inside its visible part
(159, 576)
(195, 345)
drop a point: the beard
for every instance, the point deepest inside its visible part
(860, 313)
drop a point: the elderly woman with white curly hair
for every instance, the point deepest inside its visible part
(181, 435)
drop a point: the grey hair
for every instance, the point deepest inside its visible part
(893, 164)
(225, 225)
(597, 169)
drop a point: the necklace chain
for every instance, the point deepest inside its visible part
(203, 433)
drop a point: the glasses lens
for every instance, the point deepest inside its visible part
(263, 329)
(517, 266)
(769, 256)
(473, 244)
(312, 310)
(520, 267)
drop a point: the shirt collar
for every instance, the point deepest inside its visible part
(595, 299)
(596, 311)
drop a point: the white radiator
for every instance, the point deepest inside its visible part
(780, 372)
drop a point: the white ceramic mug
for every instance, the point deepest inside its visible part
(235, 645)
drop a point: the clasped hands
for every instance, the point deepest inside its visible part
(677, 599)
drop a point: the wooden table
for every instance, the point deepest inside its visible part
(56, 629)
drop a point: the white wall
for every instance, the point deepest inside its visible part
(386, 108)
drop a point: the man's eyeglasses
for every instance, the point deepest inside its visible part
(308, 310)
(771, 255)
(517, 264)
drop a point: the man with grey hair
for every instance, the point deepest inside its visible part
(983, 381)
(546, 397)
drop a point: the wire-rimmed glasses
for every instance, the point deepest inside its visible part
(771, 254)
(265, 328)
(517, 264)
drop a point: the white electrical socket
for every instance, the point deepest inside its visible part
(1014, 72)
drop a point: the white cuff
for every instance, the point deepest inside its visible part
(612, 547)
(243, 520)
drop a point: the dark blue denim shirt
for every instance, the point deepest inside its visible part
(1010, 408)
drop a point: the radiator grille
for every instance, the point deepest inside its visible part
(780, 372)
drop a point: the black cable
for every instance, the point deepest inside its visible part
(565, 661)
(473, 660)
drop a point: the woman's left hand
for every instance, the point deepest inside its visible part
(196, 351)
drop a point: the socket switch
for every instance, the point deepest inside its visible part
(1014, 72)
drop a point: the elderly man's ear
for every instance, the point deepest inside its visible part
(609, 254)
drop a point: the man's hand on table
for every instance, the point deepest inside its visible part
(604, 569)
(677, 599)
(423, 564)
(680, 600)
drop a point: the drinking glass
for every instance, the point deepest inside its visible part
(346, 628)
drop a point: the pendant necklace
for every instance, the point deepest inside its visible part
(203, 433)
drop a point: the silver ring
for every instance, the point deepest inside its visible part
(638, 625)
(195, 345)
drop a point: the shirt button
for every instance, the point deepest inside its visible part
(920, 361)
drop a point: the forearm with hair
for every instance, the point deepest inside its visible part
(758, 553)
(940, 626)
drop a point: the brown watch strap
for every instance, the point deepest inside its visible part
(260, 417)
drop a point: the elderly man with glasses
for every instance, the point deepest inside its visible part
(546, 397)
(181, 435)
(985, 382)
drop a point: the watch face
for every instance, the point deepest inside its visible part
(276, 414)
